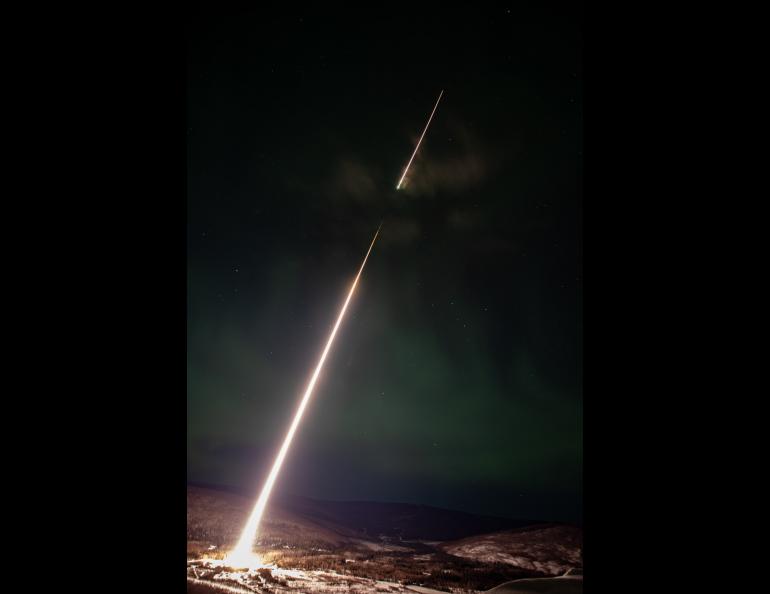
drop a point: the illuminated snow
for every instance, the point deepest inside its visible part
(292, 580)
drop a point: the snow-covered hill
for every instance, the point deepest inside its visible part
(549, 549)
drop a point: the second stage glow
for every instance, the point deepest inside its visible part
(406, 169)
(242, 555)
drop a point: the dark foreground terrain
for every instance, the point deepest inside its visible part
(317, 546)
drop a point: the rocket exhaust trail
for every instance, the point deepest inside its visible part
(419, 141)
(242, 556)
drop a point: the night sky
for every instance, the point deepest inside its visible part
(456, 377)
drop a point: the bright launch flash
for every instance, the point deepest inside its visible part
(242, 555)
(406, 169)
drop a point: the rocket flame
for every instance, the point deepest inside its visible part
(242, 555)
(419, 141)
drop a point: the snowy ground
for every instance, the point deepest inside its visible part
(550, 550)
(210, 577)
(270, 579)
(317, 548)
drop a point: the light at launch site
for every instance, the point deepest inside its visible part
(416, 148)
(242, 555)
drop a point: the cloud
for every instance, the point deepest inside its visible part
(454, 175)
(454, 165)
(464, 219)
(401, 230)
(352, 180)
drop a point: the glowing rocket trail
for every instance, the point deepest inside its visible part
(242, 556)
(419, 141)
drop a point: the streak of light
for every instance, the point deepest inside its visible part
(406, 169)
(242, 555)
